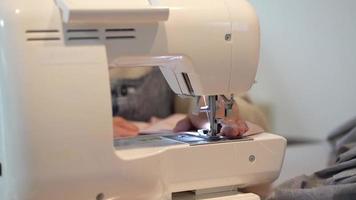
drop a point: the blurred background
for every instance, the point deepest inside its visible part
(307, 74)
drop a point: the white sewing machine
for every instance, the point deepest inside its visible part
(55, 106)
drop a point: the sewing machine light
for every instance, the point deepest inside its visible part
(17, 11)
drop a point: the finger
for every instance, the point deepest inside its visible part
(120, 122)
(119, 119)
(183, 125)
(230, 131)
(233, 128)
(243, 127)
(120, 132)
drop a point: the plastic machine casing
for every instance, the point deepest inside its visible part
(55, 117)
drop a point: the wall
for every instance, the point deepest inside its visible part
(307, 74)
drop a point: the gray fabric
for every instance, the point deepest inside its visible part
(329, 192)
(343, 135)
(351, 179)
(347, 155)
(342, 177)
(336, 168)
(341, 130)
(336, 182)
(344, 140)
(142, 98)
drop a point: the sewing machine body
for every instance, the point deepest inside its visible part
(55, 109)
(188, 161)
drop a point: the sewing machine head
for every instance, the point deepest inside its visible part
(56, 135)
(202, 50)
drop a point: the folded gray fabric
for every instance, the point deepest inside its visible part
(329, 192)
(346, 139)
(140, 99)
(336, 182)
(349, 153)
(341, 130)
(343, 135)
(346, 176)
(351, 179)
(334, 169)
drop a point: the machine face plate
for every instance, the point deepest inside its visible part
(144, 141)
(164, 140)
(194, 140)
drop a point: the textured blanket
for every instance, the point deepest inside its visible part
(337, 181)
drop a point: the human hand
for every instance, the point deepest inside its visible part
(232, 126)
(123, 128)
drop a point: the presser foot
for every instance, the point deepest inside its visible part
(208, 136)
